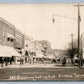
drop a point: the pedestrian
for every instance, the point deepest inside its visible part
(2, 62)
(64, 61)
(6, 61)
(22, 61)
(10, 62)
(31, 58)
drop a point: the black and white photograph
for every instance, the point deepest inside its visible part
(41, 42)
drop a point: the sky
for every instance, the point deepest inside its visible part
(35, 20)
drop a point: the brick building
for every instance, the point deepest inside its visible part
(10, 36)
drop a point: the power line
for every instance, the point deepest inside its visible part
(78, 19)
(65, 17)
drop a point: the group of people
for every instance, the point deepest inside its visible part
(6, 60)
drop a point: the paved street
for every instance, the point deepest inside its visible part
(39, 65)
(41, 72)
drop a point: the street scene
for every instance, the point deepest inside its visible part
(42, 42)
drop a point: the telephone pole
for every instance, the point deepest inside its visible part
(79, 19)
(81, 50)
(72, 48)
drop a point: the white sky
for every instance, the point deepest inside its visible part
(35, 20)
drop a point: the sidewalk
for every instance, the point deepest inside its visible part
(37, 65)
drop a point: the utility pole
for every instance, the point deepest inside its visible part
(79, 35)
(72, 48)
(79, 19)
(81, 50)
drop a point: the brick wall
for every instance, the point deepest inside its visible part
(8, 29)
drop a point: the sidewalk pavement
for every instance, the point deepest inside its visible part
(38, 65)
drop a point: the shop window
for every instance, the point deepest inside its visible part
(11, 40)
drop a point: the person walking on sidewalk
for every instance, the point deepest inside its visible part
(6, 61)
(2, 62)
(64, 61)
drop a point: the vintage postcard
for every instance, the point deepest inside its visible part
(42, 42)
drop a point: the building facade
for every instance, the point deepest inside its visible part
(11, 37)
(28, 48)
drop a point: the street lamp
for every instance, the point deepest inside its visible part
(53, 19)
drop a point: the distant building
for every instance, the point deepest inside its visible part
(46, 46)
(38, 49)
(28, 43)
(28, 47)
(59, 54)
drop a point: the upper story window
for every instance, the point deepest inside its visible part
(8, 39)
(11, 40)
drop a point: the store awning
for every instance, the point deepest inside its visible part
(6, 51)
(3, 52)
(12, 51)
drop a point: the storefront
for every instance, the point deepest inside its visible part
(9, 53)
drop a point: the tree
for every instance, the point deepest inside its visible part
(71, 52)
